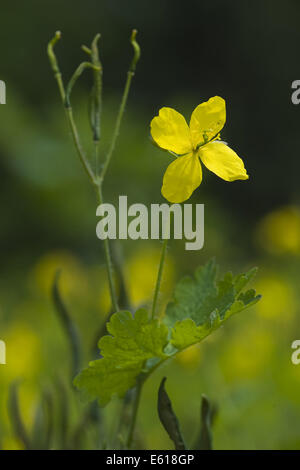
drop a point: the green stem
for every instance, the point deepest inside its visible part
(136, 403)
(58, 78)
(54, 64)
(96, 104)
(82, 156)
(96, 180)
(137, 399)
(159, 277)
(68, 109)
(97, 89)
(139, 388)
(141, 382)
(130, 75)
(85, 163)
(96, 154)
(97, 99)
(109, 265)
(78, 72)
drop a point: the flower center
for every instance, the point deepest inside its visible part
(207, 140)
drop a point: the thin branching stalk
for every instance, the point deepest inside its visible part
(117, 126)
(96, 96)
(67, 106)
(80, 69)
(85, 163)
(96, 104)
(130, 75)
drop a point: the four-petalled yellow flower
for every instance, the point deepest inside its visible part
(194, 143)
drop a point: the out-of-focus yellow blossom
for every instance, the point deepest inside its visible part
(247, 354)
(23, 350)
(278, 298)
(103, 289)
(141, 272)
(279, 231)
(73, 277)
(190, 357)
(11, 443)
(23, 363)
(194, 143)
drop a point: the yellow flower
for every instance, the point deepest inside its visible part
(190, 144)
(279, 231)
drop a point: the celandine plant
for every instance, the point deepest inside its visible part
(139, 342)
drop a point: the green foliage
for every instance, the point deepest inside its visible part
(197, 298)
(133, 341)
(137, 345)
(201, 304)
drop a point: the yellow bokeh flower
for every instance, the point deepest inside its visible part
(23, 352)
(190, 358)
(194, 143)
(146, 261)
(73, 278)
(12, 443)
(279, 300)
(279, 231)
(246, 355)
(140, 288)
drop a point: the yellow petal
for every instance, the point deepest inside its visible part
(223, 161)
(207, 120)
(171, 132)
(181, 178)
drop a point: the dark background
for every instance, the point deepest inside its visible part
(246, 51)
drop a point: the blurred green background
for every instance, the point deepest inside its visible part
(243, 51)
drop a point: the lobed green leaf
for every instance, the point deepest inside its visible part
(134, 340)
(138, 345)
(201, 304)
